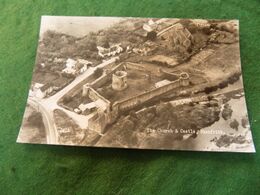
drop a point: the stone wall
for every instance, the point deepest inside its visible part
(169, 76)
(106, 113)
(135, 101)
(106, 77)
(94, 95)
(134, 66)
(103, 115)
(98, 122)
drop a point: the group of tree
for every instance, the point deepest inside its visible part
(54, 44)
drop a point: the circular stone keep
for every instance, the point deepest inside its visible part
(119, 80)
(184, 79)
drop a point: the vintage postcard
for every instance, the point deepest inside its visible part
(144, 83)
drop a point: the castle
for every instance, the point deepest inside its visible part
(107, 111)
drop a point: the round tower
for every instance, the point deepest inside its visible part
(119, 80)
(184, 79)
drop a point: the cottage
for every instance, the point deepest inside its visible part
(141, 33)
(69, 71)
(177, 35)
(85, 62)
(70, 63)
(35, 90)
(37, 86)
(145, 49)
(39, 90)
(47, 89)
(107, 52)
(150, 26)
(58, 60)
(200, 23)
(75, 67)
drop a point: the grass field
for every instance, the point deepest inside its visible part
(41, 169)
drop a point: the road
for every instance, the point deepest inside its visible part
(47, 105)
(50, 127)
(78, 80)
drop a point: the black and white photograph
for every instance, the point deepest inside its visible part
(142, 83)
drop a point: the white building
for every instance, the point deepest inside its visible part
(35, 90)
(70, 63)
(75, 67)
(85, 62)
(69, 70)
(39, 90)
(150, 26)
(87, 108)
(112, 51)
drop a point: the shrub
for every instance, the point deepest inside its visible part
(223, 84)
(98, 72)
(67, 99)
(244, 122)
(234, 124)
(35, 119)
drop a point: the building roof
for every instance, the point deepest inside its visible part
(162, 83)
(84, 107)
(179, 30)
(200, 22)
(70, 63)
(141, 32)
(83, 61)
(38, 85)
(176, 30)
(69, 70)
(107, 51)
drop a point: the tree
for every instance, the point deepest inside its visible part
(132, 114)
(91, 45)
(103, 42)
(234, 124)
(151, 35)
(35, 119)
(227, 112)
(244, 122)
(67, 99)
(98, 72)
